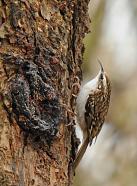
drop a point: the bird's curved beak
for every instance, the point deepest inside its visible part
(101, 66)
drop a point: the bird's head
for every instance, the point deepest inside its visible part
(103, 81)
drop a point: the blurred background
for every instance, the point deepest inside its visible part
(112, 160)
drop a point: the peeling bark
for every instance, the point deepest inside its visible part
(40, 72)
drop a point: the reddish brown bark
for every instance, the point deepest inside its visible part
(40, 71)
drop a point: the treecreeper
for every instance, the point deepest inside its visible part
(92, 106)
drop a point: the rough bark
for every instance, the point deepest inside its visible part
(40, 71)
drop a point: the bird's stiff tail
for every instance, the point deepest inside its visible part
(81, 152)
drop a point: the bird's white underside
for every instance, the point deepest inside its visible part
(82, 99)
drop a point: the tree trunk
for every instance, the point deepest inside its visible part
(40, 72)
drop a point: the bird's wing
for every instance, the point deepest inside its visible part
(90, 109)
(92, 117)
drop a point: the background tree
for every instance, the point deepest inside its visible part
(40, 71)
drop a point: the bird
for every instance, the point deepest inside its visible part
(91, 107)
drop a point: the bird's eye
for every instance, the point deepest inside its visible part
(101, 76)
